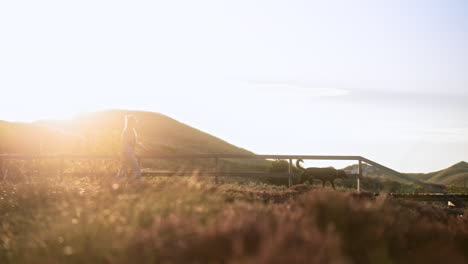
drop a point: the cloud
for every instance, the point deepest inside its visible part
(441, 134)
(295, 89)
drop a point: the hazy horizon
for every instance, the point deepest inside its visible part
(387, 81)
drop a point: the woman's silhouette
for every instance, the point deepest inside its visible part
(129, 142)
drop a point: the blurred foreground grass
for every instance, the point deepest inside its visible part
(190, 220)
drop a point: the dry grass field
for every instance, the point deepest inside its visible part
(190, 220)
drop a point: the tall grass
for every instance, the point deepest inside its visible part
(187, 220)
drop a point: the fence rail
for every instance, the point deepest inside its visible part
(183, 156)
(218, 157)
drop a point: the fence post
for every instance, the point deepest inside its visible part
(359, 172)
(289, 173)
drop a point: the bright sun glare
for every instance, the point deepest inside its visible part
(300, 77)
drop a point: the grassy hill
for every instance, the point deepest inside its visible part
(99, 133)
(102, 130)
(188, 220)
(453, 175)
(374, 172)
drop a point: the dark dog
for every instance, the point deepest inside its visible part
(323, 174)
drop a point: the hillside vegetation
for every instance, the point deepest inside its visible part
(456, 174)
(91, 218)
(187, 220)
(99, 133)
(374, 172)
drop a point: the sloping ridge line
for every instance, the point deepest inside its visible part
(429, 187)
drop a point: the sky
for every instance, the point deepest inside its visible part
(386, 80)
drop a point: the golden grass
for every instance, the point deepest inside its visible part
(189, 220)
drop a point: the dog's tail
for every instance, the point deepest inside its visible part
(298, 165)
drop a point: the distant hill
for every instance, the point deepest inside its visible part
(374, 172)
(161, 133)
(99, 133)
(453, 175)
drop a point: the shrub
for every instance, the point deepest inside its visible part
(182, 220)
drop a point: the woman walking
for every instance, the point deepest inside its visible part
(129, 142)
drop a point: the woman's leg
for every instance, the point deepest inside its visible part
(122, 170)
(134, 163)
(123, 165)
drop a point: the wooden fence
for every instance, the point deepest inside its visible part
(215, 157)
(218, 157)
